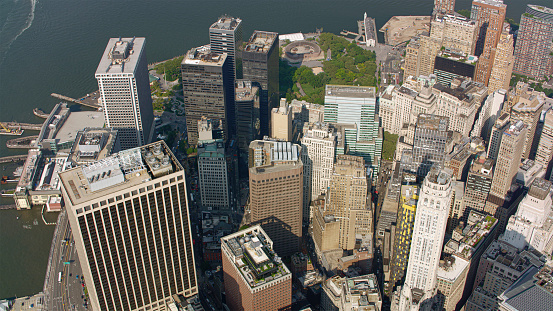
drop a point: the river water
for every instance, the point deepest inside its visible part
(54, 46)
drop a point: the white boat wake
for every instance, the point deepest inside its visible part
(28, 23)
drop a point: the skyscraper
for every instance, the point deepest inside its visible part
(125, 91)
(508, 159)
(534, 42)
(356, 105)
(318, 146)
(208, 89)
(276, 192)
(489, 16)
(129, 218)
(544, 155)
(347, 201)
(444, 6)
(260, 64)
(281, 121)
(428, 235)
(478, 185)
(429, 143)
(225, 36)
(255, 277)
(213, 174)
(528, 110)
(503, 63)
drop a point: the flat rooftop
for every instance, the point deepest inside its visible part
(350, 91)
(121, 55)
(451, 268)
(432, 122)
(245, 91)
(226, 23)
(93, 144)
(261, 42)
(203, 56)
(78, 120)
(253, 255)
(267, 153)
(117, 172)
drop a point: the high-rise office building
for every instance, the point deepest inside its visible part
(351, 293)
(457, 33)
(534, 42)
(125, 91)
(444, 6)
(225, 36)
(450, 65)
(490, 111)
(496, 134)
(254, 274)
(544, 155)
(356, 106)
(213, 174)
(503, 63)
(276, 192)
(129, 218)
(281, 122)
(530, 225)
(426, 245)
(478, 185)
(260, 64)
(208, 89)
(347, 201)
(403, 234)
(528, 110)
(508, 159)
(429, 143)
(489, 16)
(246, 106)
(318, 146)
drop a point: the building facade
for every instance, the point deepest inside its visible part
(125, 91)
(534, 42)
(130, 221)
(208, 89)
(225, 36)
(489, 16)
(426, 245)
(318, 146)
(444, 6)
(503, 62)
(213, 174)
(429, 144)
(276, 192)
(281, 122)
(260, 64)
(544, 154)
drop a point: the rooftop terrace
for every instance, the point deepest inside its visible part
(261, 42)
(350, 91)
(251, 251)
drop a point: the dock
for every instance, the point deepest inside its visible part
(22, 142)
(76, 101)
(23, 126)
(14, 158)
(40, 113)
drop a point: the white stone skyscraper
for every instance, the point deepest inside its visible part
(318, 150)
(125, 94)
(426, 244)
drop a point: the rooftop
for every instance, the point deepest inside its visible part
(451, 268)
(245, 91)
(118, 172)
(432, 122)
(76, 121)
(269, 153)
(261, 42)
(458, 57)
(350, 91)
(540, 188)
(252, 253)
(532, 291)
(515, 129)
(93, 144)
(226, 23)
(121, 55)
(204, 57)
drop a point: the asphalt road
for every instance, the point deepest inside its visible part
(67, 294)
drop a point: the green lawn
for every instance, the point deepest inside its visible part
(389, 146)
